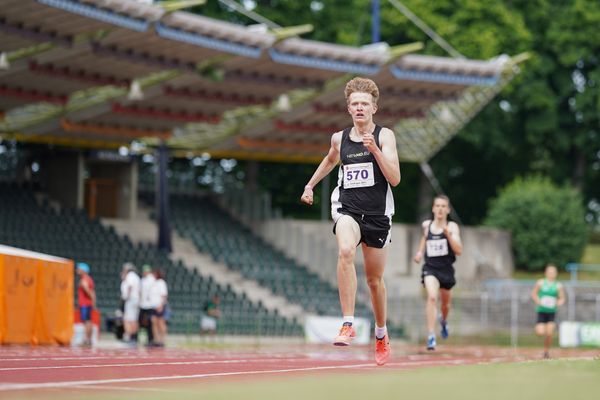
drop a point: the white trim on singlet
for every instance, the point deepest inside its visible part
(389, 202)
(335, 197)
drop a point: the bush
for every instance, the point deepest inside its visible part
(547, 222)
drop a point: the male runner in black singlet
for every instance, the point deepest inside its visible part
(362, 206)
(440, 244)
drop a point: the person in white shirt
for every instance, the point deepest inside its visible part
(130, 294)
(159, 299)
(146, 305)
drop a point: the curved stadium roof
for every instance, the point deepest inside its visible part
(70, 70)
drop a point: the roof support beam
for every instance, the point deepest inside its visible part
(48, 52)
(43, 114)
(291, 31)
(419, 140)
(175, 5)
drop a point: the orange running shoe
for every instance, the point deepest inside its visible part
(347, 333)
(382, 350)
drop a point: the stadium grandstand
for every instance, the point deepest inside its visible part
(33, 223)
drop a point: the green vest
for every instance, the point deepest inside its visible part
(548, 295)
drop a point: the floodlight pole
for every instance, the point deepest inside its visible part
(162, 199)
(376, 22)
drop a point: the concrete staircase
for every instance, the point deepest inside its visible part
(142, 229)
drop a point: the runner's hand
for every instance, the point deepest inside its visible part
(307, 196)
(418, 257)
(369, 141)
(447, 231)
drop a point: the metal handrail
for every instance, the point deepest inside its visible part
(574, 268)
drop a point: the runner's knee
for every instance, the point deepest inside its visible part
(375, 282)
(346, 253)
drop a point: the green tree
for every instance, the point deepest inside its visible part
(335, 21)
(488, 152)
(546, 121)
(546, 222)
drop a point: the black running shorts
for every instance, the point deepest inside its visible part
(374, 229)
(545, 317)
(445, 276)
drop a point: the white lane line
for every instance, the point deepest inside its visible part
(82, 358)
(145, 364)
(124, 388)
(147, 356)
(29, 386)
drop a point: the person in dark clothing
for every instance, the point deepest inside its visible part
(440, 244)
(362, 206)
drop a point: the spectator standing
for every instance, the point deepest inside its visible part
(146, 304)
(86, 299)
(130, 294)
(160, 295)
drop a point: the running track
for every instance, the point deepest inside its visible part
(39, 369)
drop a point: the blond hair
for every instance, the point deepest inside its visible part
(362, 85)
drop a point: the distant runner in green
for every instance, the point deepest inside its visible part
(548, 295)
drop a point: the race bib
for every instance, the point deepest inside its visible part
(358, 175)
(437, 247)
(548, 301)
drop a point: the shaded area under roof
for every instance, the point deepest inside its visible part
(205, 85)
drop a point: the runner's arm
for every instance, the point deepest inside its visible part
(421, 249)
(534, 292)
(387, 157)
(329, 162)
(561, 295)
(452, 232)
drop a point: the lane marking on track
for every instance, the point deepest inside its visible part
(83, 358)
(123, 388)
(144, 364)
(175, 356)
(29, 386)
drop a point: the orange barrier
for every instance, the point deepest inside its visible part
(36, 298)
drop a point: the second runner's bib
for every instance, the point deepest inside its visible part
(437, 247)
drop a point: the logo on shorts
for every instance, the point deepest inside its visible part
(381, 240)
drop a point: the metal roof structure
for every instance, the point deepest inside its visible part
(104, 73)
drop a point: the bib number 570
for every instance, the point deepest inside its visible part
(356, 174)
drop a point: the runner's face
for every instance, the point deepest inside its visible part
(551, 273)
(440, 209)
(361, 107)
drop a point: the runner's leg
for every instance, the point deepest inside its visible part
(347, 233)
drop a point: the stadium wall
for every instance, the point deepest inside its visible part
(487, 251)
